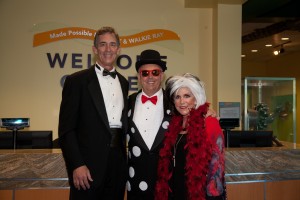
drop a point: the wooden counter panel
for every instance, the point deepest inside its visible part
(245, 191)
(6, 194)
(283, 190)
(44, 194)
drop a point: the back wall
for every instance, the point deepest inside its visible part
(30, 76)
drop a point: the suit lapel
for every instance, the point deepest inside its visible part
(124, 86)
(139, 138)
(132, 101)
(164, 124)
(97, 96)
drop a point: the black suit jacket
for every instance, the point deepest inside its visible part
(84, 131)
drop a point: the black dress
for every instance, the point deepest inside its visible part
(177, 181)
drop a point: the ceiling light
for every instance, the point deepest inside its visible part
(268, 45)
(276, 52)
(254, 50)
(280, 51)
(285, 38)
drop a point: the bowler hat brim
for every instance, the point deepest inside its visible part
(160, 63)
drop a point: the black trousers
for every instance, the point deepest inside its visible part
(115, 180)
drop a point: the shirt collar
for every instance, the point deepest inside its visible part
(159, 93)
(101, 68)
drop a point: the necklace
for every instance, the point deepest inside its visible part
(175, 148)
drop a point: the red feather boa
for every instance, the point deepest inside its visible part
(198, 155)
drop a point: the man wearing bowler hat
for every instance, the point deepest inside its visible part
(149, 117)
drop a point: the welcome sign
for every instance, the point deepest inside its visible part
(144, 37)
(123, 61)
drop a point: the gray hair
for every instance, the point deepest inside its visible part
(187, 80)
(104, 30)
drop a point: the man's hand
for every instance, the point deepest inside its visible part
(81, 178)
(212, 113)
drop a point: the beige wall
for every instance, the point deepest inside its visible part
(227, 60)
(30, 88)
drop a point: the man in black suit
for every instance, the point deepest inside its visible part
(92, 124)
(149, 116)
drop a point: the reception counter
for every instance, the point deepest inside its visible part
(253, 173)
(263, 173)
(32, 169)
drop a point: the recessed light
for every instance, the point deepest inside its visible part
(254, 50)
(243, 56)
(276, 52)
(285, 38)
(268, 45)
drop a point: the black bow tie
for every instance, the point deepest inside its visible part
(112, 74)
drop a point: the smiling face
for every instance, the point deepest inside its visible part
(184, 101)
(106, 50)
(150, 77)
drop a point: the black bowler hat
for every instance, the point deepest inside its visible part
(150, 56)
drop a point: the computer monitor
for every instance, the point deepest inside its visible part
(26, 140)
(257, 138)
(229, 113)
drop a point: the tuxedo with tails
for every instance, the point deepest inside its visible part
(84, 130)
(142, 161)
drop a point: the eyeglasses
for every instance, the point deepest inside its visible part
(154, 72)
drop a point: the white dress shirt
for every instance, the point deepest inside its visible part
(148, 117)
(113, 97)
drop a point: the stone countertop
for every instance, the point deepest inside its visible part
(36, 168)
(32, 168)
(262, 165)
